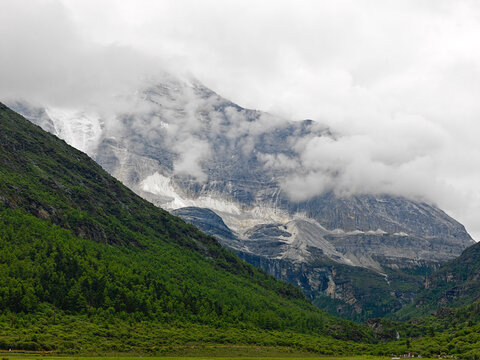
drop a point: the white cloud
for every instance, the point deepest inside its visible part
(192, 151)
(45, 59)
(399, 80)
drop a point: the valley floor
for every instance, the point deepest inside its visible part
(217, 353)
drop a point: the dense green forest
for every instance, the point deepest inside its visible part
(455, 284)
(68, 282)
(86, 266)
(78, 246)
(445, 317)
(446, 331)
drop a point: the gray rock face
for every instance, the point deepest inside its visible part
(210, 223)
(36, 114)
(350, 291)
(187, 149)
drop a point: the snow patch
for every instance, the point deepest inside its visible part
(376, 232)
(79, 129)
(355, 232)
(162, 186)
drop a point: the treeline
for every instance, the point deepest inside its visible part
(41, 263)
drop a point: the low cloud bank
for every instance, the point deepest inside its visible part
(397, 82)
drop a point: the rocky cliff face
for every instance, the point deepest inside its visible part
(324, 274)
(183, 146)
(456, 283)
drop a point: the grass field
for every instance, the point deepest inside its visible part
(218, 353)
(224, 357)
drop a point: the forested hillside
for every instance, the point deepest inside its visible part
(80, 254)
(455, 284)
(86, 266)
(445, 332)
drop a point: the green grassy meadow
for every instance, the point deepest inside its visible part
(218, 353)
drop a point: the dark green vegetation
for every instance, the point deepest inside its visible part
(370, 294)
(445, 332)
(445, 317)
(86, 264)
(217, 352)
(457, 283)
(350, 292)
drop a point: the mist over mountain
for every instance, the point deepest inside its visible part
(230, 171)
(401, 103)
(182, 145)
(81, 253)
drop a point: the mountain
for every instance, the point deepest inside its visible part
(445, 316)
(458, 281)
(370, 290)
(180, 145)
(445, 333)
(453, 285)
(87, 265)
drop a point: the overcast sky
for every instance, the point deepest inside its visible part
(399, 79)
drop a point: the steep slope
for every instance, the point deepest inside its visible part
(455, 284)
(445, 333)
(352, 292)
(182, 145)
(77, 248)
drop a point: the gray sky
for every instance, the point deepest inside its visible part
(399, 79)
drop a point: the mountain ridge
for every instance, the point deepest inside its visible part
(193, 148)
(455, 284)
(78, 247)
